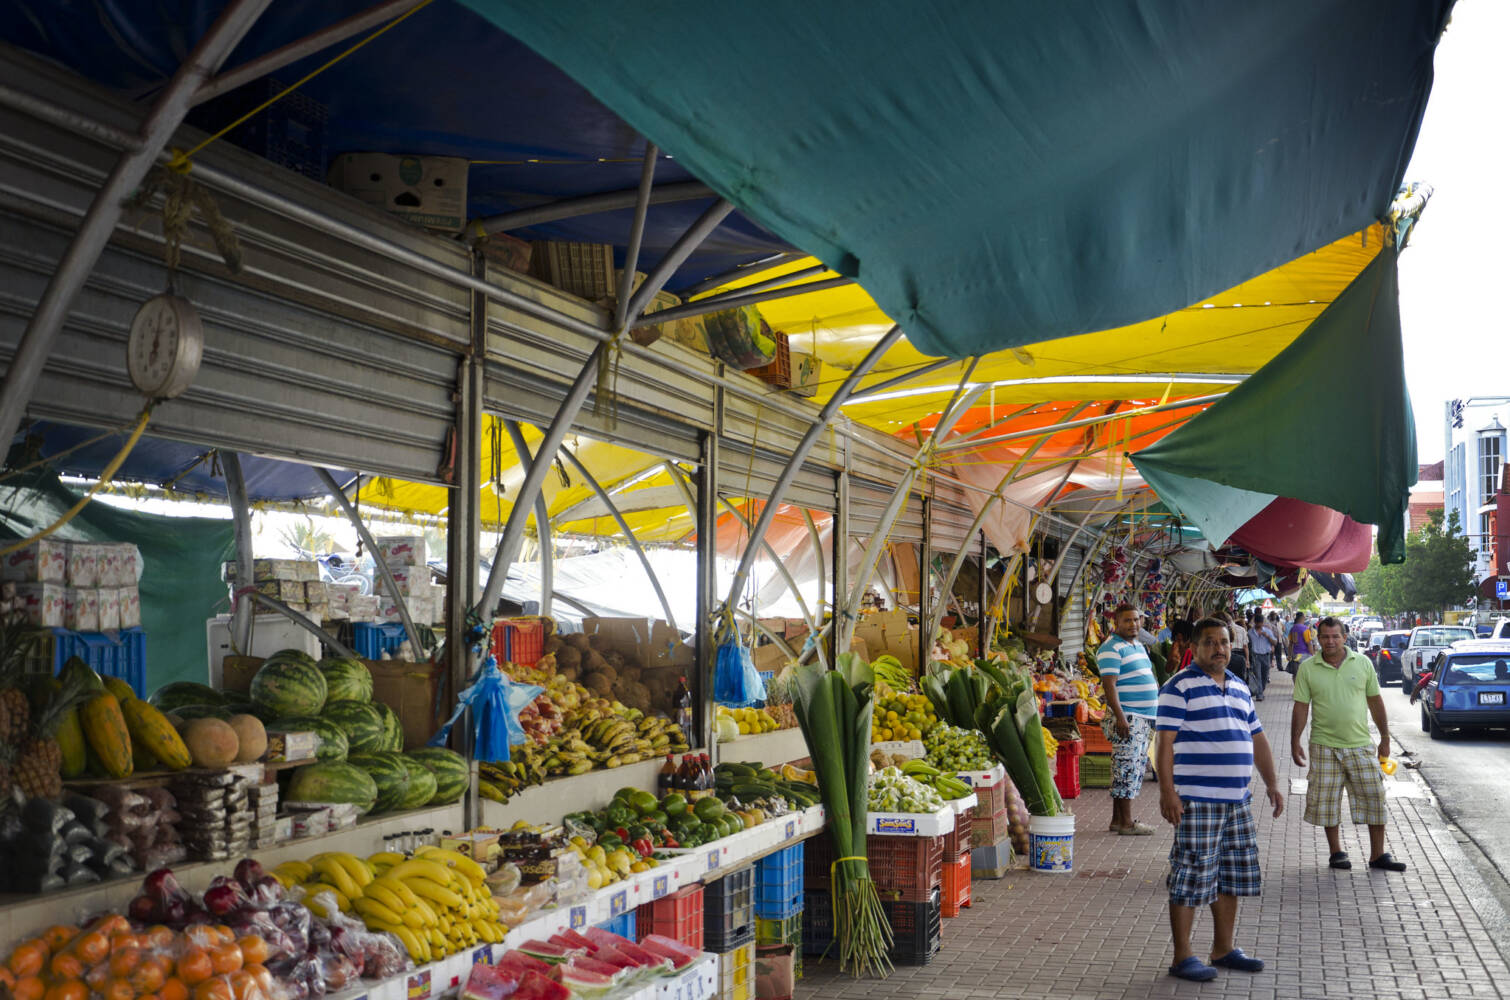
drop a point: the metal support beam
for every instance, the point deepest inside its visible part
(592, 204)
(241, 517)
(813, 624)
(925, 587)
(636, 237)
(839, 599)
(300, 620)
(1068, 425)
(980, 607)
(309, 45)
(675, 258)
(737, 300)
(817, 543)
(907, 376)
(542, 515)
(352, 515)
(634, 543)
(707, 581)
(775, 260)
(785, 279)
(104, 212)
(799, 455)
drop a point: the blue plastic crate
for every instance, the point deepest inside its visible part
(120, 654)
(778, 884)
(371, 640)
(622, 925)
(818, 923)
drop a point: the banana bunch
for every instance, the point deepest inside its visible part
(436, 903)
(889, 669)
(505, 779)
(947, 785)
(568, 753)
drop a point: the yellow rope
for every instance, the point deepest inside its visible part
(180, 161)
(105, 476)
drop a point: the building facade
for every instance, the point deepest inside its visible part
(1425, 497)
(1473, 478)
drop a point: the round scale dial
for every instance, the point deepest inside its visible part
(165, 346)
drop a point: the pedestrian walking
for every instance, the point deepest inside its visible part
(1210, 740)
(1132, 698)
(1337, 690)
(1299, 640)
(1239, 635)
(1260, 655)
(1277, 635)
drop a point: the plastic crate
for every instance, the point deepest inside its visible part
(785, 931)
(623, 925)
(679, 916)
(729, 911)
(1096, 770)
(120, 654)
(1060, 709)
(906, 868)
(817, 922)
(584, 269)
(917, 930)
(1067, 768)
(371, 639)
(1095, 739)
(817, 861)
(956, 894)
(778, 884)
(992, 861)
(991, 799)
(520, 641)
(779, 371)
(957, 841)
(736, 973)
(290, 132)
(986, 830)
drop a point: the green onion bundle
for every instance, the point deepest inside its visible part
(834, 709)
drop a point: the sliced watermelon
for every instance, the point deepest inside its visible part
(518, 963)
(572, 939)
(585, 983)
(545, 951)
(488, 982)
(639, 956)
(591, 964)
(616, 959)
(679, 954)
(534, 986)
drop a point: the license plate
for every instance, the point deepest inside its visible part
(1491, 697)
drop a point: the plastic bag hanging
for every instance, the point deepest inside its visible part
(736, 682)
(495, 702)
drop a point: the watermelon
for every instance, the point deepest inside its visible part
(199, 711)
(332, 781)
(584, 982)
(171, 697)
(537, 986)
(392, 726)
(360, 721)
(519, 963)
(333, 743)
(545, 951)
(452, 775)
(289, 683)
(388, 772)
(421, 784)
(346, 679)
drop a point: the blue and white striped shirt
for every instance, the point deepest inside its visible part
(1126, 663)
(1213, 727)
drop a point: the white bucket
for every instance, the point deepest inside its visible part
(1051, 843)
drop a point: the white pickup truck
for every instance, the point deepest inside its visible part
(1426, 641)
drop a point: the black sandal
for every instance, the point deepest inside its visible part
(1340, 861)
(1386, 863)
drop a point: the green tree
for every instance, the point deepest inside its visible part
(1439, 566)
(1382, 587)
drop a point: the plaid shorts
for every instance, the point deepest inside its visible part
(1130, 757)
(1332, 769)
(1215, 852)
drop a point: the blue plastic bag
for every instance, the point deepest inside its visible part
(495, 702)
(736, 682)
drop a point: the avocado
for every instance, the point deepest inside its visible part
(708, 809)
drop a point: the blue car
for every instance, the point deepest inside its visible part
(1469, 688)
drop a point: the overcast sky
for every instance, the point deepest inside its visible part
(1456, 271)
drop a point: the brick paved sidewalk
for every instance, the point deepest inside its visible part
(1102, 933)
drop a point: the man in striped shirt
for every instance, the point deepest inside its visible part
(1132, 701)
(1209, 741)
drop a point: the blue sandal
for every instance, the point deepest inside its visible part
(1235, 959)
(1193, 969)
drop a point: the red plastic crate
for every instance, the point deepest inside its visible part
(1067, 768)
(956, 895)
(817, 861)
(679, 916)
(779, 371)
(1095, 740)
(520, 641)
(957, 841)
(906, 869)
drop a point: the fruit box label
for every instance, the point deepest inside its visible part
(578, 919)
(618, 903)
(659, 887)
(886, 824)
(713, 857)
(791, 829)
(483, 955)
(419, 985)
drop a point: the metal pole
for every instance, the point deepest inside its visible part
(634, 543)
(707, 578)
(813, 623)
(812, 534)
(871, 390)
(241, 517)
(785, 279)
(704, 306)
(542, 515)
(608, 201)
(366, 536)
(464, 524)
(636, 235)
(799, 454)
(676, 256)
(300, 620)
(743, 271)
(980, 613)
(104, 212)
(839, 602)
(925, 588)
(294, 51)
(1087, 422)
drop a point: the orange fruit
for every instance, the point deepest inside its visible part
(92, 947)
(29, 988)
(254, 950)
(7, 978)
(202, 936)
(58, 935)
(28, 958)
(66, 966)
(214, 989)
(159, 937)
(70, 989)
(243, 985)
(173, 988)
(225, 958)
(194, 966)
(148, 977)
(118, 989)
(263, 978)
(97, 976)
(124, 962)
(148, 996)
(121, 940)
(112, 923)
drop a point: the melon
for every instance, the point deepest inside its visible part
(251, 737)
(452, 776)
(360, 721)
(421, 784)
(346, 679)
(333, 745)
(211, 742)
(332, 781)
(289, 683)
(172, 697)
(393, 727)
(388, 772)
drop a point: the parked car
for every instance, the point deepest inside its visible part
(1384, 651)
(1365, 628)
(1468, 689)
(1426, 641)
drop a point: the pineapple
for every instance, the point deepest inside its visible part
(30, 759)
(19, 642)
(39, 769)
(15, 716)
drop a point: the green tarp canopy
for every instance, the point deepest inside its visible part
(1328, 421)
(181, 558)
(999, 172)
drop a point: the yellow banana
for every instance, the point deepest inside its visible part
(367, 906)
(386, 896)
(424, 868)
(389, 858)
(438, 942)
(359, 870)
(417, 946)
(313, 889)
(469, 869)
(334, 873)
(397, 887)
(284, 879)
(426, 889)
(425, 910)
(300, 870)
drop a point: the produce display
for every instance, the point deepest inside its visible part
(944, 783)
(744, 722)
(901, 716)
(890, 790)
(571, 964)
(956, 748)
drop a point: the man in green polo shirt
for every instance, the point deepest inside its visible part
(1338, 690)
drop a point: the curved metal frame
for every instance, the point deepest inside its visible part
(542, 517)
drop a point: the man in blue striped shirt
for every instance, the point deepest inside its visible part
(1132, 701)
(1209, 741)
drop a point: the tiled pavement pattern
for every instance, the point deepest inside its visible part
(1102, 933)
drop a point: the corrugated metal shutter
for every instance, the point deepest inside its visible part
(1072, 619)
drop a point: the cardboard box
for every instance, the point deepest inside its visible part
(131, 606)
(81, 609)
(429, 191)
(807, 373)
(410, 690)
(109, 601)
(509, 252)
(84, 564)
(44, 561)
(652, 642)
(283, 747)
(300, 570)
(43, 604)
(401, 550)
(236, 672)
